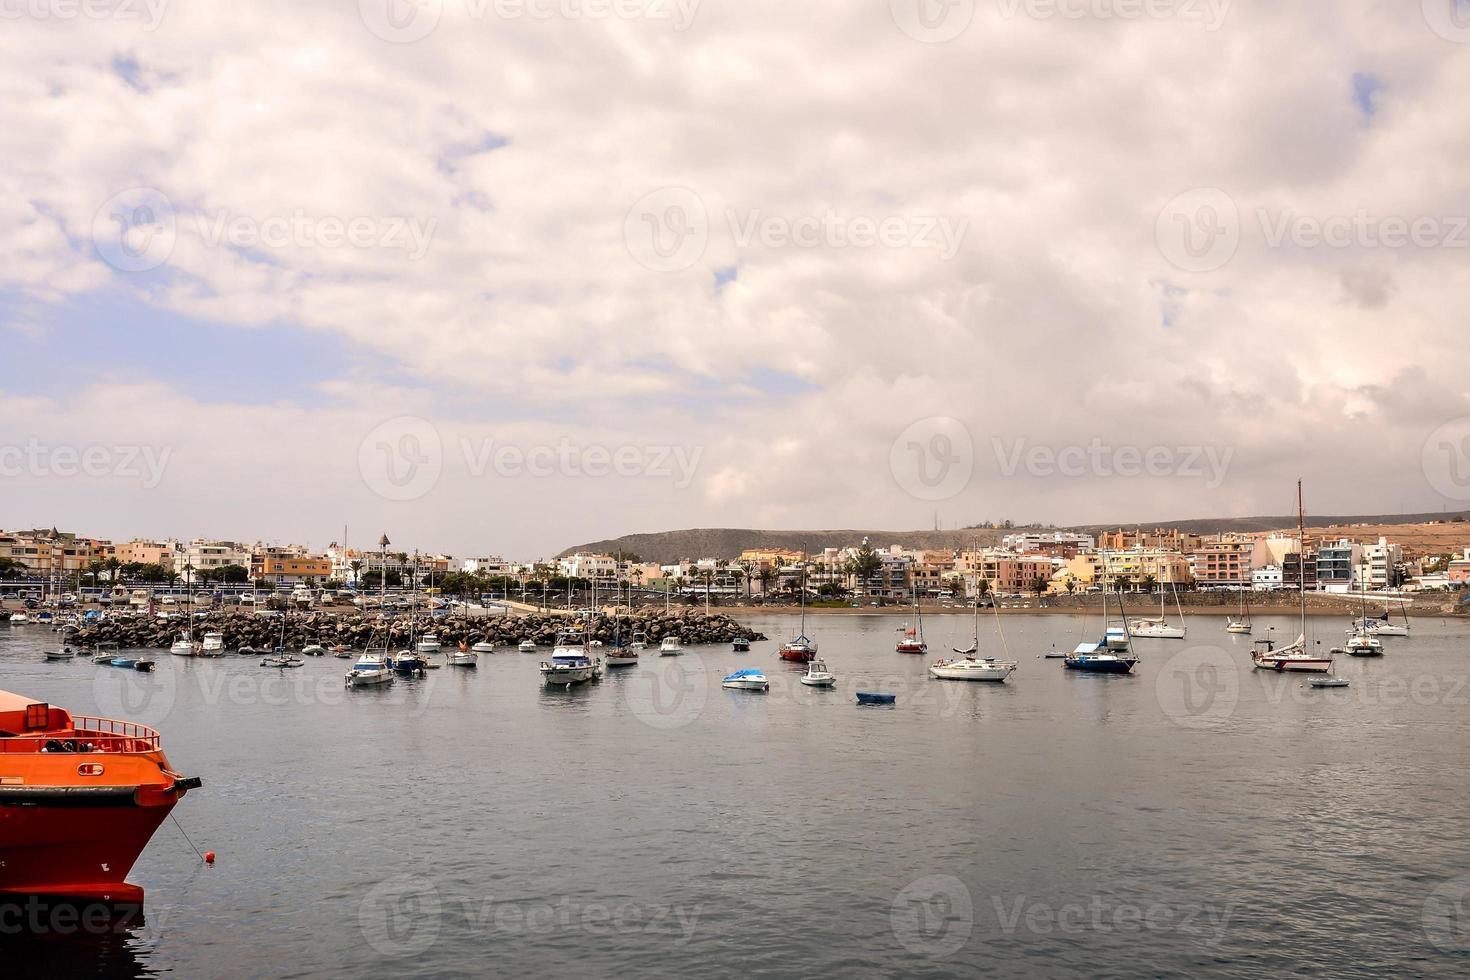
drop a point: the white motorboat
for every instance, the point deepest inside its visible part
(1363, 644)
(566, 669)
(640, 642)
(428, 643)
(483, 646)
(972, 669)
(817, 674)
(19, 618)
(65, 653)
(1115, 638)
(314, 650)
(528, 646)
(183, 646)
(670, 647)
(370, 670)
(749, 679)
(1329, 682)
(214, 644)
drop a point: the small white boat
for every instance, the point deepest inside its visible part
(370, 670)
(670, 647)
(528, 646)
(428, 643)
(817, 674)
(183, 646)
(1292, 658)
(19, 618)
(1328, 682)
(1238, 627)
(750, 679)
(972, 669)
(621, 657)
(640, 642)
(1115, 638)
(66, 653)
(214, 643)
(483, 646)
(283, 660)
(1380, 627)
(461, 656)
(314, 650)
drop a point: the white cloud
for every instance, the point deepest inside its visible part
(1059, 320)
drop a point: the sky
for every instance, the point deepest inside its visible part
(503, 276)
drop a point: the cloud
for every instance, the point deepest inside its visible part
(828, 151)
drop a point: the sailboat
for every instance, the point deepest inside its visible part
(1294, 657)
(1381, 625)
(1241, 626)
(1159, 629)
(1110, 655)
(913, 637)
(800, 648)
(1363, 642)
(970, 668)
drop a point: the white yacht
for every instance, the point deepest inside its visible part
(567, 668)
(19, 618)
(670, 647)
(183, 646)
(428, 643)
(214, 644)
(972, 669)
(483, 646)
(370, 670)
(528, 646)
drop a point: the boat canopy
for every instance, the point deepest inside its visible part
(748, 672)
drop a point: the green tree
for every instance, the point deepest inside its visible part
(234, 574)
(94, 569)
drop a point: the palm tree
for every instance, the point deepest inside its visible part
(767, 575)
(356, 566)
(94, 568)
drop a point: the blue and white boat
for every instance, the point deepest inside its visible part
(565, 669)
(1097, 658)
(868, 697)
(751, 679)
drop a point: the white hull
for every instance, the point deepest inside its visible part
(1242, 629)
(670, 650)
(620, 661)
(818, 680)
(527, 646)
(1298, 664)
(483, 647)
(462, 658)
(369, 678)
(746, 685)
(1156, 631)
(979, 670)
(566, 676)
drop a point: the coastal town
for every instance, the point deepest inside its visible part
(1026, 562)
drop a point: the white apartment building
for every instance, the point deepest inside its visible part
(1379, 560)
(208, 556)
(493, 565)
(1267, 578)
(602, 568)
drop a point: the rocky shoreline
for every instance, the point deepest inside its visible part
(356, 631)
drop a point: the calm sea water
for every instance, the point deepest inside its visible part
(1194, 819)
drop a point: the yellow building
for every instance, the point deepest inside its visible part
(296, 569)
(1128, 569)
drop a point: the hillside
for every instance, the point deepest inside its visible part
(1418, 533)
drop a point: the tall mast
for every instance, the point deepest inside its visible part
(1301, 557)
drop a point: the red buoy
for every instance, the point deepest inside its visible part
(208, 857)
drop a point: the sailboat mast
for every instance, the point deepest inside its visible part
(1301, 557)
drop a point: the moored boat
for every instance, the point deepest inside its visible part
(370, 670)
(972, 669)
(670, 647)
(912, 640)
(750, 679)
(527, 646)
(567, 669)
(817, 675)
(871, 697)
(482, 646)
(740, 645)
(214, 643)
(80, 798)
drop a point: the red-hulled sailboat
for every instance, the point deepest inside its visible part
(79, 800)
(800, 648)
(913, 636)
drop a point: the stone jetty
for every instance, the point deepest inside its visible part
(358, 631)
